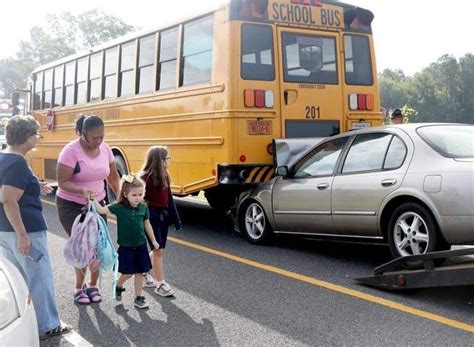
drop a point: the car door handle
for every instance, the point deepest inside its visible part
(323, 186)
(389, 182)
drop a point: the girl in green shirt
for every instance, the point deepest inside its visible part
(133, 220)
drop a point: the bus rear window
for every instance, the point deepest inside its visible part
(309, 59)
(357, 60)
(257, 61)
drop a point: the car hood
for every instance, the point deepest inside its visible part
(288, 151)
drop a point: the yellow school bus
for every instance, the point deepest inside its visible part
(216, 89)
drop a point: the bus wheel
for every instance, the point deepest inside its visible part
(220, 199)
(122, 170)
(254, 224)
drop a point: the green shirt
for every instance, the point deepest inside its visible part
(130, 224)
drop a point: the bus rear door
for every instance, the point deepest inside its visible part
(311, 93)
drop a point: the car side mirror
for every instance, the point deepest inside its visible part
(282, 171)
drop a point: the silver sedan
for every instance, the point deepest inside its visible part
(411, 185)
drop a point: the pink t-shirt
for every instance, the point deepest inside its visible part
(92, 171)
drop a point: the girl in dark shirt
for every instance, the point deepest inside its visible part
(163, 212)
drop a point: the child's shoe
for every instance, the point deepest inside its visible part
(140, 302)
(149, 281)
(118, 292)
(164, 289)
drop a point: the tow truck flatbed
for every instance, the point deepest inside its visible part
(458, 270)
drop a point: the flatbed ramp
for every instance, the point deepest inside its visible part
(458, 270)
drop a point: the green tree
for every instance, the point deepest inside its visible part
(61, 35)
(13, 74)
(392, 84)
(466, 99)
(442, 92)
(437, 92)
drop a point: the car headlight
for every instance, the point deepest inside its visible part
(8, 305)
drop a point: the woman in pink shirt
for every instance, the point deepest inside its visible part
(83, 165)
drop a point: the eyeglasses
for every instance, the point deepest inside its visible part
(38, 135)
(168, 158)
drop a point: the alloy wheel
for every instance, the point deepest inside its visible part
(255, 221)
(411, 234)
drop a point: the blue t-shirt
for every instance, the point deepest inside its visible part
(14, 171)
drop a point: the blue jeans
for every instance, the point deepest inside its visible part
(38, 276)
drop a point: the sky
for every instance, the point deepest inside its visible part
(409, 34)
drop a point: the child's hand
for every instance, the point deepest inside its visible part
(156, 245)
(46, 188)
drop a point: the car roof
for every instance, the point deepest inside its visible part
(410, 127)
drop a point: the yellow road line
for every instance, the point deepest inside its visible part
(330, 286)
(323, 284)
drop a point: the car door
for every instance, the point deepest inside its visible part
(302, 201)
(371, 170)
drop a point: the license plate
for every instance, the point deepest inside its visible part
(360, 125)
(260, 127)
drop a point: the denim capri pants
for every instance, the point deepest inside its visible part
(38, 276)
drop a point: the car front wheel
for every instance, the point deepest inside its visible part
(412, 231)
(254, 224)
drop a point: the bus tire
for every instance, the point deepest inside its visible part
(220, 199)
(122, 170)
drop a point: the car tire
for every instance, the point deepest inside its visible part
(412, 230)
(254, 224)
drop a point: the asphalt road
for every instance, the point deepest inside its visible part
(292, 292)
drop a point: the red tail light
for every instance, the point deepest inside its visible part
(270, 148)
(361, 102)
(260, 98)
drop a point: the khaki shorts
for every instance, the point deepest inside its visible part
(68, 211)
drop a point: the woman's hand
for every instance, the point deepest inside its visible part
(156, 245)
(46, 188)
(89, 194)
(24, 244)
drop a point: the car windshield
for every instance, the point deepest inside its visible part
(455, 141)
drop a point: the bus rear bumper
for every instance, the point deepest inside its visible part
(245, 174)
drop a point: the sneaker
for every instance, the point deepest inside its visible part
(164, 290)
(118, 292)
(140, 302)
(149, 281)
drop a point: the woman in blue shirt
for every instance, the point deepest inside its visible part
(22, 225)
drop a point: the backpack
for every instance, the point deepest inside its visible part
(80, 248)
(106, 252)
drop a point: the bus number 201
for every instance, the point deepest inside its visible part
(312, 112)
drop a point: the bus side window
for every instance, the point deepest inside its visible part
(257, 62)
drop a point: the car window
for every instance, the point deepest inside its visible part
(322, 161)
(454, 141)
(367, 153)
(395, 155)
